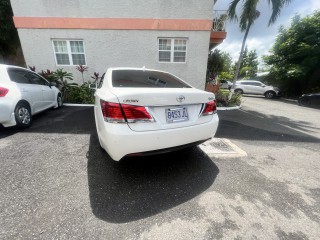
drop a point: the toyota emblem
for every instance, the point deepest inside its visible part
(181, 98)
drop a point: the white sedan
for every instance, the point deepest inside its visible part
(24, 93)
(140, 112)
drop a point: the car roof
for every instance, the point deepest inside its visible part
(138, 69)
(5, 66)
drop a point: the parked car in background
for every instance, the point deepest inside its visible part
(225, 84)
(310, 100)
(140, 112)
(256, 87)
(24, 93)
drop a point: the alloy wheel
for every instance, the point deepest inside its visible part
(24, 115)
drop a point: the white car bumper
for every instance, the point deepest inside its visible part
(119, 140)
(7, 112)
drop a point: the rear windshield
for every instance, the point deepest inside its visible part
(145, 79)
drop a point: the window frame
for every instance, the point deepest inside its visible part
(69, 51)
(172, 51)
(45, 82)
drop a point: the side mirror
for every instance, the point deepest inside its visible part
(93, 86)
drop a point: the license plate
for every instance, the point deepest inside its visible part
(177, 114)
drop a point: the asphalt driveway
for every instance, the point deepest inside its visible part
(56, 183)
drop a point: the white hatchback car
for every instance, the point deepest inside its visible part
(140, 112)
(24, 93)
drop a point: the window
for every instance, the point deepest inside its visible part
(172, 50)
(18, 76)
(69, 52)
(36, 79)
(256, 84)
(252, 83)
(145, 79)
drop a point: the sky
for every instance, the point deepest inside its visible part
(261, 37)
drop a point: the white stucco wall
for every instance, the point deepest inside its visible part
(114, 48)
(173, 9)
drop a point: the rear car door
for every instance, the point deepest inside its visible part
(249, 87)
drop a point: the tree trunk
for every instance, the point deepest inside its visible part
(240, 56)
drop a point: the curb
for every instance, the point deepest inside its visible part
(228, 108)
(77, 105)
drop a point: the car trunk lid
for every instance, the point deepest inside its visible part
(169, 108)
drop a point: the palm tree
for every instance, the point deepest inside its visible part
(248, 15)
(61, 77)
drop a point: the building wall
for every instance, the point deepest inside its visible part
(117, 48)
(171, 9)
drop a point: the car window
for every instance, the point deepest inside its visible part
(255, 84)
(18, 76)
(36, 79)
(251, 83)
(145, 79)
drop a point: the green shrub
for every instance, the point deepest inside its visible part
(222, 98)
(80, 94)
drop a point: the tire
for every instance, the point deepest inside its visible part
(238, 91)
(59, 101)
(22, 114)
(305, 102)
(269, 95)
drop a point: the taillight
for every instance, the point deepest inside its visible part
(136, 113)
(120, 113)
(112, 112)
(209, 109)
(3, 91)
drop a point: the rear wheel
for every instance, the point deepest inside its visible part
(238, 91)
(269, 94)
(305, 102)
(22, 115)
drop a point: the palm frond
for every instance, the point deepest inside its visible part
(232, 10)
(249, 13)
(277, 5)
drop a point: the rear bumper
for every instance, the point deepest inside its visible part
(7, 113)
(166, 150)
(119, 140)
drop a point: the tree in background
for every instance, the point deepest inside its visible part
(248, 15)
(295, 56)
(219, 65)
(10, 49)
(249, 64)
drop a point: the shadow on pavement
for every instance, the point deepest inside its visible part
(250, 125)
(70, 120)
(136, 188)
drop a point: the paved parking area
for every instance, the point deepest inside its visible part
(56, 183)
